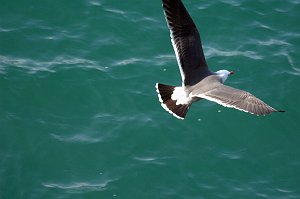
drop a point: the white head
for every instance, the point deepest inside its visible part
(223, 74)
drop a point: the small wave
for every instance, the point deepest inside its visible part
(205, 5)
(6, 29)
(132, 16)
(151, 160)
(232, 155)
(77, 138)
(295, 71)
(232, 2)
(261, 25)
(288, 57)
(271, 42)
(213, 52)
(121, 118)
(163, 59)
(284, 191)
(95, 3)
(126, 15)
(126, 61)
(34, 66)
(115, 11)
(80, 187)
(31, 66)
(158, 60)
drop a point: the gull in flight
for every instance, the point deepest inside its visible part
(198, 82)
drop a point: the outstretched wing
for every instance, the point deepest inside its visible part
(186, 42)
(238, 99)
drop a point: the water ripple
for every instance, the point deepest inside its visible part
(158, 60)
(77, 138)
(232, 2)
(288, 57)
(34, 66)
(152, 159)
(115, 11)
(95, 3)
(232, 155)
(295, 71)
(205, 5)
(213, 52)
(131, 16)
(80, 187)
(132, 60)
(7, 29)
(271, 42)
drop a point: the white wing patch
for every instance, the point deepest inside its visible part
(179, 95)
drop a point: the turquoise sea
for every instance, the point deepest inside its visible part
(80, 118)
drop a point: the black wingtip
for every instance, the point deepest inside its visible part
(281, 111)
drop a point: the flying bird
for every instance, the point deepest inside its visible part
(198, 82)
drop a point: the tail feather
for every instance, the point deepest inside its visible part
(165, 97)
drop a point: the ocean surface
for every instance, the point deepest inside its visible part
(80, 118)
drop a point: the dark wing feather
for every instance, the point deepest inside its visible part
(186, 42)
(238, 99)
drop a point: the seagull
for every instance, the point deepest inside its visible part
(198, 82)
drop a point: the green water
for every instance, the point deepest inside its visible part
(80, 118)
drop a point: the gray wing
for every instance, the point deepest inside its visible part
(238, 99)
(186, 42)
